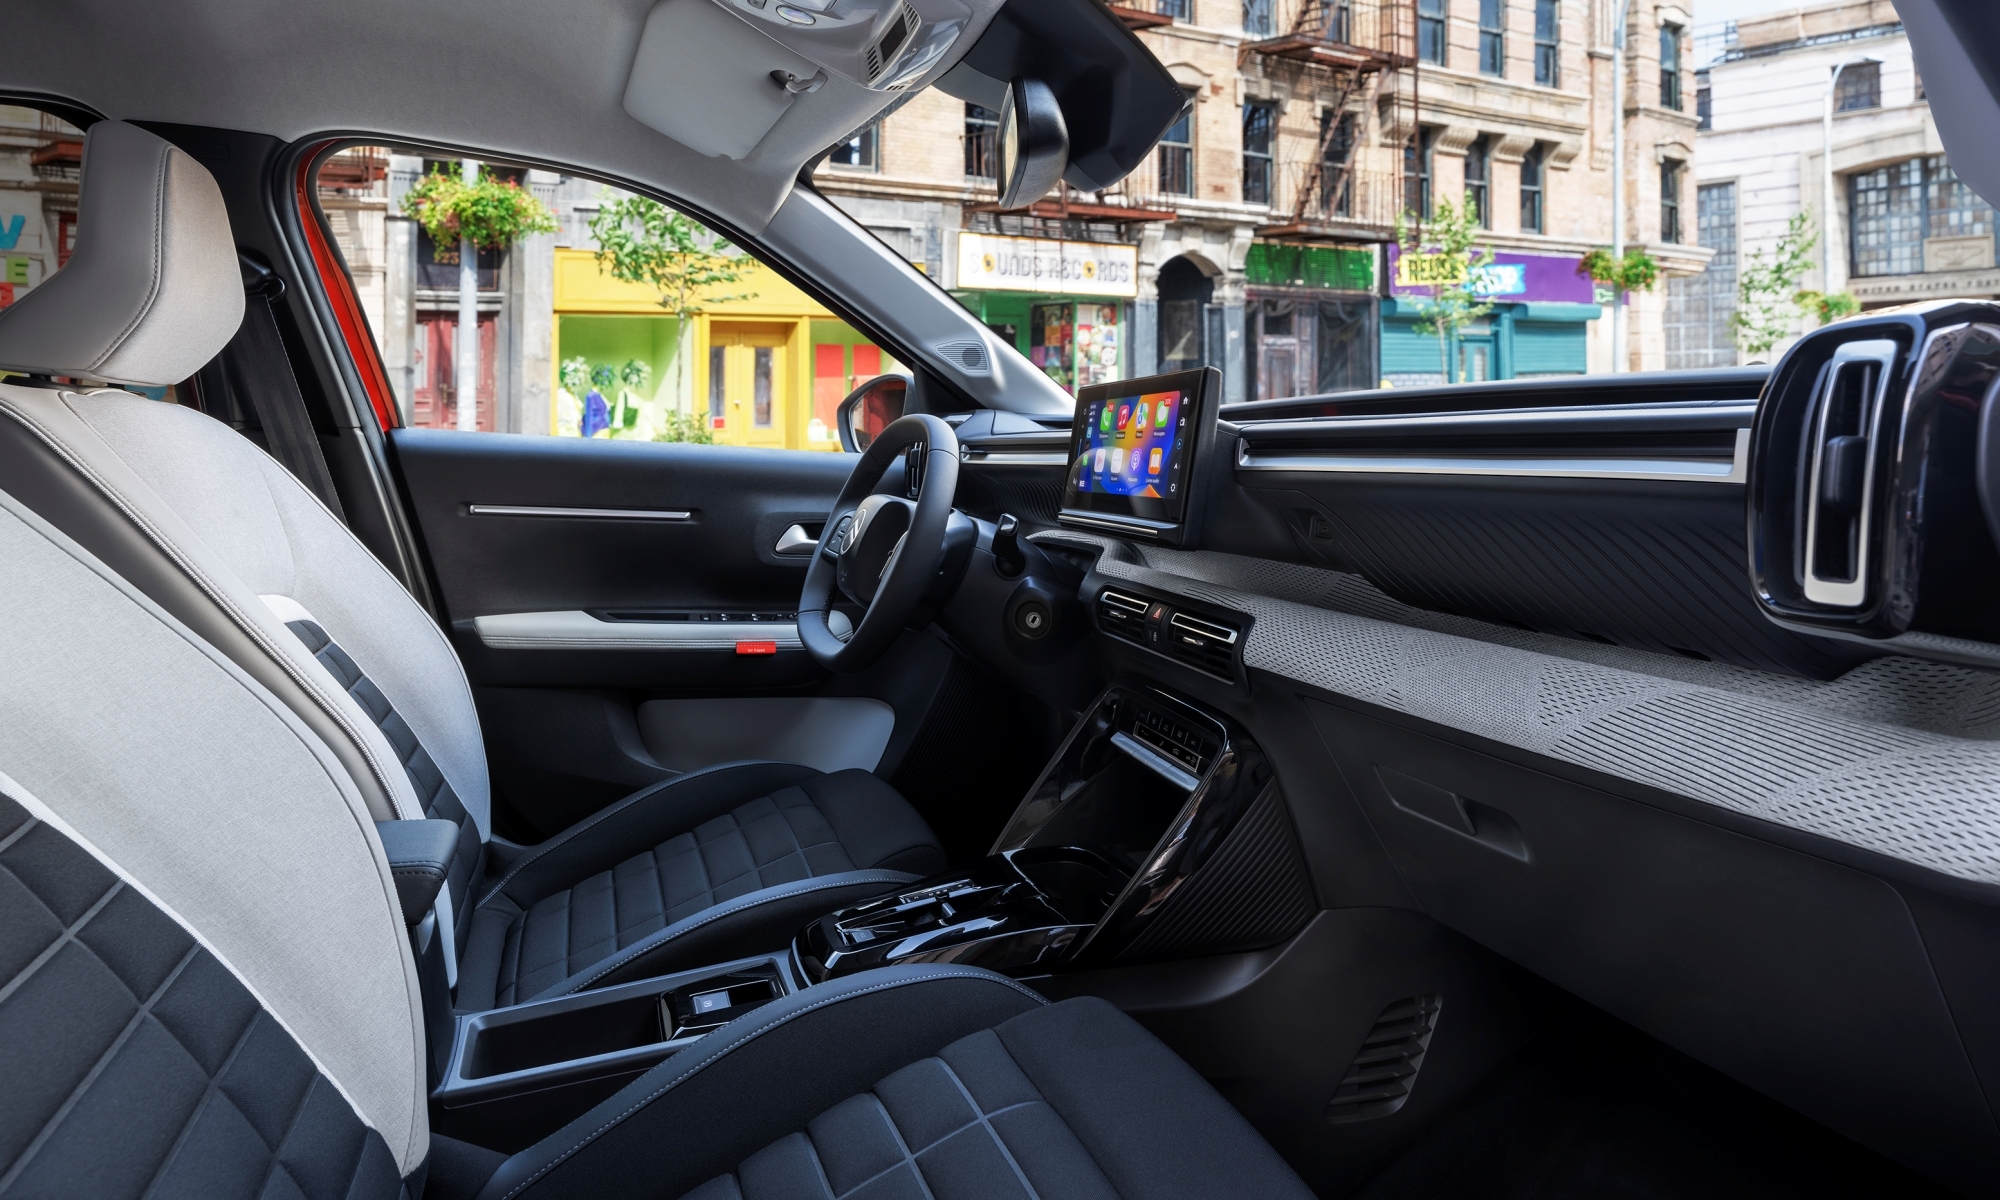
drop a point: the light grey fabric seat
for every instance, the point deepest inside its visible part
(206, 524)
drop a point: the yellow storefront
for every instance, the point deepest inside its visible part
(767, 368)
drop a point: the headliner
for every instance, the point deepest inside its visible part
(508, 78)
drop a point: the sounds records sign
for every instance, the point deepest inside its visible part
(989, 262)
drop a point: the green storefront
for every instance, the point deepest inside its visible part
(1539, 326)
(1309, 320)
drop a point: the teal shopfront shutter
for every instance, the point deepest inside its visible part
(1407, 352)
(1549, 348)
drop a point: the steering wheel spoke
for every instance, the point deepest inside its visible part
(881, 551)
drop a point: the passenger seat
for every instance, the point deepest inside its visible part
(206, 988)
(728, 860)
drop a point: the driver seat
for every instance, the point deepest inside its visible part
(708, 865)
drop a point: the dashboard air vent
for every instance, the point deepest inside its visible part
(1378, 1082)
(1840, 481)
(1209, 645)
(1122, 614)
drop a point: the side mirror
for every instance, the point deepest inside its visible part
(1032, 148)
(870, 408)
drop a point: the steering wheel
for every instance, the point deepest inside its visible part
(880, 552)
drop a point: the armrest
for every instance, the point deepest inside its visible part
(419, 859)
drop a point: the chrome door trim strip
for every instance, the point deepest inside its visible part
(587, 514)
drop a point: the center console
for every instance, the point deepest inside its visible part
(1138, 801)
(1155, 833)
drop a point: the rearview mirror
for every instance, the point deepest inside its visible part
(1033, 145)
(869, 408)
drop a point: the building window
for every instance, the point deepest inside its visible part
(1493, 37)
(1177, 155)
(1340, 21)
(1257, 18)
(760, 388)
(1670, 67)
(1478, 175)
(862, 150)
(1336, 140)
(1417, 161)
(1670, 201)
(1259, 119)
(1430, 30)
(1887, 211)
(1704, 105)
(1698, 306)
(1179, 10)
(982, 125)
(1548, 43)
(1531, 188)
(1859, 87)
(1896, 207)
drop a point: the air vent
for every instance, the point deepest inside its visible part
(968, 356)
(1122, 614)
(1379, 1080)
(1840, 479)
(1209, 645)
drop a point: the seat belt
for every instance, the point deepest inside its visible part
(255, 368)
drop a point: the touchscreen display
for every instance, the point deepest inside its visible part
(1132, 445)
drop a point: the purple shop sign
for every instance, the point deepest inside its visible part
(1537, 278)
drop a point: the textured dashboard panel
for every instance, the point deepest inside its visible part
(1897, 756)
(1640, 565)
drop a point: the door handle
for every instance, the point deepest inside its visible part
(796, 541)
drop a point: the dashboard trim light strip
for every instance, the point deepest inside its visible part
(586, 514)
(1733, 470)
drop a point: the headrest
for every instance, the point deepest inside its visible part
(151, 291)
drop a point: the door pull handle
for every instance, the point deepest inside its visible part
(796, 541)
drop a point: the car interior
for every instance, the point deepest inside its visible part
(1579, 787)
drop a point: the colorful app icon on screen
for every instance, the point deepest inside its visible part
(1162, 412)
(1104, 419)
(1098, 465)
(1134, 466)
(1124, 415)
(1139, 416)
(1153, 463)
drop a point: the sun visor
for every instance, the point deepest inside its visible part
(708, 80)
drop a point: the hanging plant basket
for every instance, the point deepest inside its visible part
(494, 213)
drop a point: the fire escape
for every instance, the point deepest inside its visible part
(1340, 57)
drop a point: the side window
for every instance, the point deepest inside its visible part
(566, 307)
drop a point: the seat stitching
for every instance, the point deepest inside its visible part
(745, 1038)
(819, 1167)
(909, 1159)
(935, 1144)
(158, 268)
(201, 1106)
(62, 939)
(90, 1077)
(730, 907)
(986, 1122)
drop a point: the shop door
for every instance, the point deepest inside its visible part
(753, 395)
(435, 402)
(1475, 359)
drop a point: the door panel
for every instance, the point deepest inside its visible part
(562, 722)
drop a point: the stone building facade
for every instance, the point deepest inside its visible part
(1261, 230)
(1901, 226)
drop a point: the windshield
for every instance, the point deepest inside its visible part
(1371, 194)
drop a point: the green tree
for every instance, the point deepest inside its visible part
(643, 241)
(1440, 257)
(1768, 299)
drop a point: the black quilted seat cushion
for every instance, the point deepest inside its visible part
(1069, 1102)
(533, 935)
(133, 1063)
